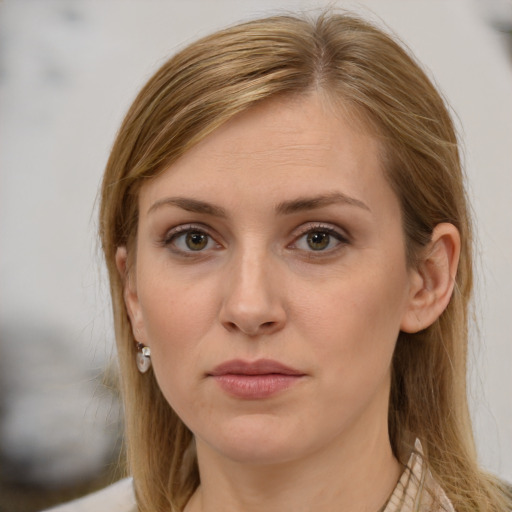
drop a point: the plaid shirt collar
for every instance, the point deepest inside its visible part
(417, 490)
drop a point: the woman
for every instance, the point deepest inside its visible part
(289, 248)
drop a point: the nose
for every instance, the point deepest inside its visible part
(253, 301)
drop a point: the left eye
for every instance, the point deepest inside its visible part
(191, 240)
(319, 240)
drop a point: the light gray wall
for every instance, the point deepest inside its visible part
(68, 73)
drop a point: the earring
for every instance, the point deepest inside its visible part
(143, 358)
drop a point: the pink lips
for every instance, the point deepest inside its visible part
(254, 380)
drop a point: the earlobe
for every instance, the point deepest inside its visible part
(121, 261)
(433, 279)
(131, 300)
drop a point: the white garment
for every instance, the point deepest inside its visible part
(118, 497)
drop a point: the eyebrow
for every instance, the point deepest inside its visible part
(312, 203)
(190, 205)
(283, 208)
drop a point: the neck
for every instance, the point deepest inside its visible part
(349, 476)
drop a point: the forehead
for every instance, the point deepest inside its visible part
(309, 126)
(288, 144)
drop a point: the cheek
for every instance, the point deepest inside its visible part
(354, 323)
(178, 316)
(175, 309)
(358, 307)
(172, 323)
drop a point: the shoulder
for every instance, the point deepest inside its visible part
(118, 497)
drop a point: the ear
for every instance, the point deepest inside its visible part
(433, 279)
(131, 299)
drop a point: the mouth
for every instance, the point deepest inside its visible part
(255, 380)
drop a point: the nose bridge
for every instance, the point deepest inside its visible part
(252, 302)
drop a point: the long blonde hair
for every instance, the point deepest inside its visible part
(357, 64)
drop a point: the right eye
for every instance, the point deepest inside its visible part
(189, 240)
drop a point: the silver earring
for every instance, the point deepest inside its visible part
(143, 358)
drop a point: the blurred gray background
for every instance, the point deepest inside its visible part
(68, 72)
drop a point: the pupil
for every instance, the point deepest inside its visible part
(318, 240)
(196, 241)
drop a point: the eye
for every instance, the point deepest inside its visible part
(320, 239)
(188, 239)
(196, 241)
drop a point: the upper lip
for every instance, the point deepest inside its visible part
(259, 367)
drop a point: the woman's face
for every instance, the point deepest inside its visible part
(271, 283)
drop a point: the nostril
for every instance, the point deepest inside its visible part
(265, 327)
(230, 326)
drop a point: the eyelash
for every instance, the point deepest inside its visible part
(332, 232)
(172, 236)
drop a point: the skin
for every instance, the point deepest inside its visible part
(258, 289)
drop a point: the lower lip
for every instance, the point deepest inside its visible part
(254, 387)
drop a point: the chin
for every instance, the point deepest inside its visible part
(257, 441)
(263, 454)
